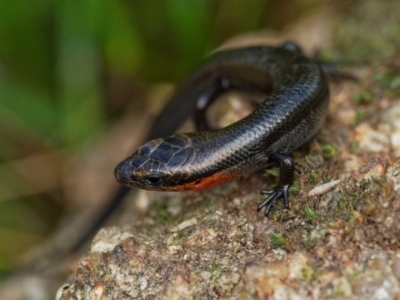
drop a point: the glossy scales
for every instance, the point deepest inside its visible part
(289, 116)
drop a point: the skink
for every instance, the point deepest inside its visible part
(291, 114)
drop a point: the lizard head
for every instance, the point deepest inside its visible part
(160, 164)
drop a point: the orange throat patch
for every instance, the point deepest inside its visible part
(207, 182)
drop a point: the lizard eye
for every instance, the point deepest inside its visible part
(153, 180)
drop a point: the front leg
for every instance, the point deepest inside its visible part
(286, 176)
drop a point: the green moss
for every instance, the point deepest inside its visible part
(360, 116)
(328, 151)
(395, 84)
(277, 240)
(215, 270)
(273, 171)
(340, 293)
(312, 176)
(311, 215)
(176, 238)
(215, 267)
(388, 81)
(341, 205)
(383, 80)
(362, 97)
(295, 188)
(353, 276)
(279, 216)
(354, 147)
(349, 216)
(351, 199)
(307, 273)
(163, 216)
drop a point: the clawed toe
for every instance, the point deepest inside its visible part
(275, 194)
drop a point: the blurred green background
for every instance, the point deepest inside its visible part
(58, 60)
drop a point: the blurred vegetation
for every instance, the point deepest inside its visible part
(57, 59)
